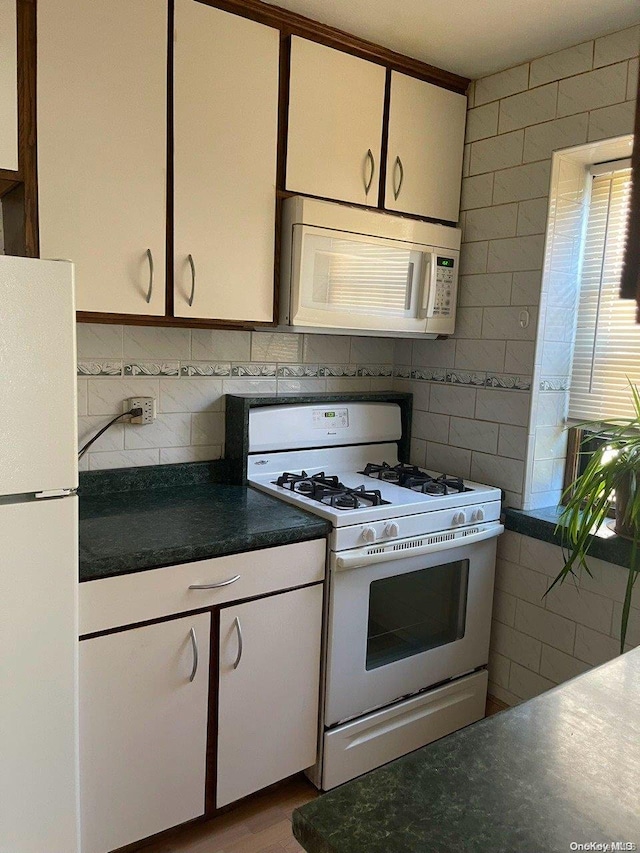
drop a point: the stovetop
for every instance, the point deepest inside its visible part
(335, 484)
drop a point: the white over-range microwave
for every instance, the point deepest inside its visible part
(346, 270)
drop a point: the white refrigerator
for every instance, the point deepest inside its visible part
(38, 558)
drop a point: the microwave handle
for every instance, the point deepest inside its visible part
(428, 288)
(410, 274)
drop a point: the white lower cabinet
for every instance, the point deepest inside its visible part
(144, 699)
(268, 691)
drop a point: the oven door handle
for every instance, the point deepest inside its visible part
(362, 558)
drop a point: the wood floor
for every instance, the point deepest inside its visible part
(261, 824)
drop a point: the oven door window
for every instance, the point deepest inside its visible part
(417, 611)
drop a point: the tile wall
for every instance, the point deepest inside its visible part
(539, 642)
(473, 392)
(188, 372)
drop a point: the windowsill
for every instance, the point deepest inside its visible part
(541, 524)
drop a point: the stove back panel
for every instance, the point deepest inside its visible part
(277, 428)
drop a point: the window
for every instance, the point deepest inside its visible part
(607, 346)
(607, 343)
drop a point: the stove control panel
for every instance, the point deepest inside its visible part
(331, 419)
(362, 535)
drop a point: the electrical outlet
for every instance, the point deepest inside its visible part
(148, 406)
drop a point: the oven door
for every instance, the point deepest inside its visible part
(401, 626)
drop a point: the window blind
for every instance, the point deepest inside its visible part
(607, 346)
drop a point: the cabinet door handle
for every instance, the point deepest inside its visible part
(150, 290)
(372, 162)
(396, 190)
(194, 645)
(193, 279)
(216, 585)
(236, 663)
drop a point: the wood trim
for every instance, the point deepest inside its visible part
(27, 120)
(9, 176)
(211, 778)
(169, 247)
(382, 171)
(630, 287)
(167, 320)
(295, 24)
(6, 185)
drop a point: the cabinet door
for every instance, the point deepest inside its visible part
(226, 136)
(143, 730)
(426, 142)
(102, 106)
(336, 104)
(8, 86)
(269, 689)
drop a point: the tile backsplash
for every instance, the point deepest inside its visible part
(188, 371)
(473, 392)
(538, 640)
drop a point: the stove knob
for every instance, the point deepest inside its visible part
(392, 529)
(369, 534)
(477, 515)
(459, 518)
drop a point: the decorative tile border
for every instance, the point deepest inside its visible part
(297, 371)
(429, 374)
(337, 370)
(555, 383)
(99, 368)
(253, 369)
(152, 368)
(402, 371)
(205, 368)
(508, 382)
(374, 370)
(466, 377)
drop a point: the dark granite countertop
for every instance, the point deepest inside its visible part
(561, 768)
(541, 524)
(181, 516)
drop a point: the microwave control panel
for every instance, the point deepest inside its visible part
(445, 295)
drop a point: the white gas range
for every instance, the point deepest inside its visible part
(410, 584)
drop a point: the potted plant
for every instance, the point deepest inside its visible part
(612, 476)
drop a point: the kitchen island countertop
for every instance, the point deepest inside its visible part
(562, 768)
(136, 529)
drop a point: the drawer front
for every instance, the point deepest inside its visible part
(129, 599)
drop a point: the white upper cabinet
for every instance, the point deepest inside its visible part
(336, 106)
(8, 86)
(225, 138)
(425, 148)
(102, 104)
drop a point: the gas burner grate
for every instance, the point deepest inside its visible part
(328, 489)
(346, 498)
(390, 473)
(414, 478)
(442, 485)
(306, 484)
